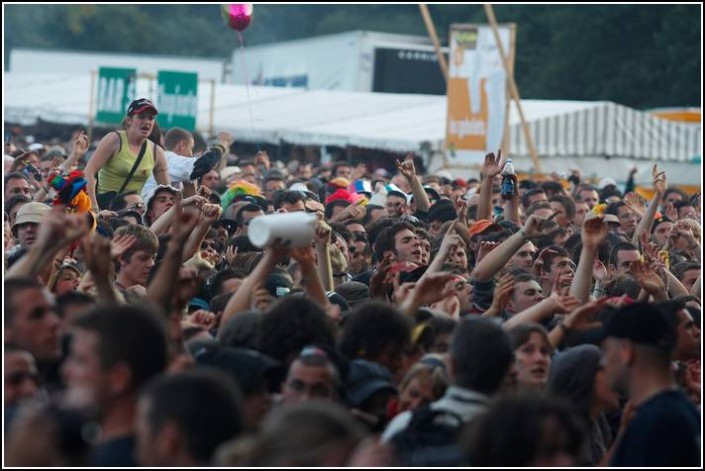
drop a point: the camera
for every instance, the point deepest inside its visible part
(32, 170)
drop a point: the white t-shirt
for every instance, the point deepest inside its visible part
(179, 167)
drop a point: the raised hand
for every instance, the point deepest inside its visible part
(670, 212)
(563, 303)
(196, 201)
(188, 189)
(450, 242)
(120, 244)
(535, 225)
(263, 159)
(80, 143)
(304, 255)
(55, 164)
(658, 180)
(562, 284)
(401, 291)
(203, 318)
(461, 207)
(492, 165)
(407, 167)
(433, 287)
(315, 207)
(636, 203)
(97, 253)
(647, 278)
(583, 316)
(261, 299)
(352, 212)
(647, 247)
(323, 234)
(59, 229)
(184, 224)
(599, 271)
(594, 231)
(204, 192)
(379, 282)
(538, 266)
(485, 248)
(230, 254)
(502, 294)
(225, 139)
(211, 213)
(449, 305)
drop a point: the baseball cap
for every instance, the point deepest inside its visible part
(278, 285)
(353, 292)
(140, 105)
(366, 379)
(229, 171)
(249, 368)
(605, 182)
(482, 225)
(659, 220)
(432, 192)
(643, 323)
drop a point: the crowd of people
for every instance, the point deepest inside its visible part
(430, 321)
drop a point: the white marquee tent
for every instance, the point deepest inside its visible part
(598, 137)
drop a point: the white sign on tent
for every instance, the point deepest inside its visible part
(477, 92)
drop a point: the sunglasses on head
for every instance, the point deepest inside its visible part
(312, 351)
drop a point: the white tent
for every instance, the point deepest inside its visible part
(598, 137)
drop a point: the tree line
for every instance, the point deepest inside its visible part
(643, 56)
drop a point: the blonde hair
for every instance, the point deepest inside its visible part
(427, 374)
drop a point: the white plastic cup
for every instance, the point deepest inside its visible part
(285, 229)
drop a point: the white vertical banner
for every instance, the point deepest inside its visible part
(477, 92)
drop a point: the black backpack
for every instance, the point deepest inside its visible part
(430, 439)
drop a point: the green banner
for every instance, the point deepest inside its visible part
(177, 99)
(116, 89)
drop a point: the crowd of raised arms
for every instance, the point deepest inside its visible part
(430, 321)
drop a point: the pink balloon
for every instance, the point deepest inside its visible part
(238, 15)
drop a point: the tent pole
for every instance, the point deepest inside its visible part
(507, 130)
(211, 117)
(434, 38)
(91, 106)
(513, 87)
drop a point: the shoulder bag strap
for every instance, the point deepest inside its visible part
(143, 149)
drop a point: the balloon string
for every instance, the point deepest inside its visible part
(247, 85)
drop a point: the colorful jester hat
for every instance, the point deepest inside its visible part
(240, 190)
(71, 192)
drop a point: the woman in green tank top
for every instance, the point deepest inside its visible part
(117, 153)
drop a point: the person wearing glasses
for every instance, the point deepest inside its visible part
(130, 201)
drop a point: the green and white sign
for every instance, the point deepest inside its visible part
(116, 89)
(177, 99)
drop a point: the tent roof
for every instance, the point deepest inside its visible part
(394, 122)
